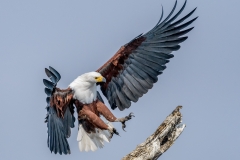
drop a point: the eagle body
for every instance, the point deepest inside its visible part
(123, 79)
(82, 93)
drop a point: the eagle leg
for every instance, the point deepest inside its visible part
(102, 109)
(86, 113)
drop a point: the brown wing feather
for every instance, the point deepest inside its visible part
(61, 99)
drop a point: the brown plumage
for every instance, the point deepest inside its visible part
(60, 100)
(91, 113)
(63, 99)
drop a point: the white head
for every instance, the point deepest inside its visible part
(87, 80)
(92, 77)
(84, 86)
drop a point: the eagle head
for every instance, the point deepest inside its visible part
(93, 77)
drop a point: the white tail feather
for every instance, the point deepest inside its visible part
(92, 141)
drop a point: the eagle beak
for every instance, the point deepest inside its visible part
(103, 79)
(100, 79)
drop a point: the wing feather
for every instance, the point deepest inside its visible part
(55, 73)
(48, 92)
(181, 20)
(128, 83)
(160, 43)
(145, 85)
(133, 70)
(134, 82)
(151, 73)
(121, 94)
(60, 111)
(165, 24)
(126, 90)
(176, 29)
(152, 58)
(48, 84)
(99, 97)
(144, 76)
(51, 76)
(119, 97)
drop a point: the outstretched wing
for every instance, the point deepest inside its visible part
(60, 111)
(131, 72)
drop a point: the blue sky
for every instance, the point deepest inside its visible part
(79, 36)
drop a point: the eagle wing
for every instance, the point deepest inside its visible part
(133, 70)
(60, 111)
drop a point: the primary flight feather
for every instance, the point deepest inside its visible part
(129, 74)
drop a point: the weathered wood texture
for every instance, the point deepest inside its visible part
(161, 140)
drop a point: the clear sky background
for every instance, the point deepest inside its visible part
(79, 36)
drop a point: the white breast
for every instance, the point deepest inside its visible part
(85, 92)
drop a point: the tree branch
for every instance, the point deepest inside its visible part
(161, 140)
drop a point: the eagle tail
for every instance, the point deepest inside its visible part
(92, 141)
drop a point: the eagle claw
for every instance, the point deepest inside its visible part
(114, 131)
(126, 119)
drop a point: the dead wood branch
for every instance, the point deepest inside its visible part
(161, 140)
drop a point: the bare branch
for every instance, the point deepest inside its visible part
(161, 140)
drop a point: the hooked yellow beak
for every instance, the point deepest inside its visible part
(100, 79)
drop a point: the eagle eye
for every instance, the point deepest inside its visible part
(96, 77)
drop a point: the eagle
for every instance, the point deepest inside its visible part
(123, 79)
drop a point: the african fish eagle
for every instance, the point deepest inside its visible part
(129, 74)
